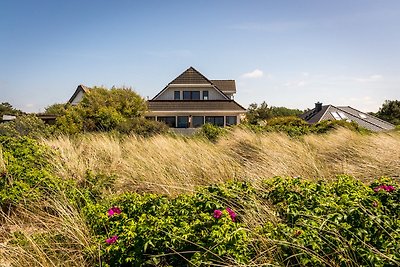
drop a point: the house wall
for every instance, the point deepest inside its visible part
(78, 98)
(213, 94)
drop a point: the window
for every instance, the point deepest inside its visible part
(197, 121)
(231, 120)
(342, 115)
(191, 95)
(170, 121)
(187, 95)
(216, 120)
(335, 115)
(177, 95)
(196, 95)
(205, 95)
(183, 122)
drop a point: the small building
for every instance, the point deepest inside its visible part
(80, 91)
(329, 112)
(191, 100)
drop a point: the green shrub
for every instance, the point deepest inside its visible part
(211, 132)
(156, 230)
(25, 125)
(340, 223)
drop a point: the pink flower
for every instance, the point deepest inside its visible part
(113, 211)
(111, 240)
(232, 214)
(387, 188)
(217, 214)
(375, 204)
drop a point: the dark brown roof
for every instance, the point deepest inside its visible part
(225, 85)
(363, 119)
(191, 105)
(191, 76)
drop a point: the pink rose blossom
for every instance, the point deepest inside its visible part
(217, 214)
(232, 214)
(113, 211)
(111, 240)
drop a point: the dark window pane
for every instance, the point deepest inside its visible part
(216, 120)
(196, 95)
(186, 95)
(170, 121)
(219, 121)
(205, 95)
(183, 122)
(177, 95)
(231, 120)
(197, 121)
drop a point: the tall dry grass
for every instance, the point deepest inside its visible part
(172, 165)
(46, 234)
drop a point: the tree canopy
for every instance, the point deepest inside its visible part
(7, 109)
(101, 109)
(256, 113)
(390, 111)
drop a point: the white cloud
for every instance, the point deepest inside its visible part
(300, 83)
(30, 105)
(372, 78)
(254, 74)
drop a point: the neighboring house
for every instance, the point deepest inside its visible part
(80, 91)
(329, 112)
(191, 100)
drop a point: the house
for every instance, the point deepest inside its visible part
(330, 112)
(191, 100)
(80, 91)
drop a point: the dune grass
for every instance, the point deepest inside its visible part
(171, 165)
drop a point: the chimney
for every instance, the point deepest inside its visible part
(318, 106)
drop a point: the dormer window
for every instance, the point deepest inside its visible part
(191, 95)
(205, 95)
(177, 95)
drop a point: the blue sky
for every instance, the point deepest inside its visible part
(287, 53)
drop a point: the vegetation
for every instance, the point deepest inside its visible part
(390, 111)
(100, 200)
(256, 113)
(141, 198)
(7, 109)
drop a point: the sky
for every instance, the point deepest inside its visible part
(289, 53)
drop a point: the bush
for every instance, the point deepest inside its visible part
(27, 173)
(138, 230)
(25, 125)
(340, 223)
(211, 132)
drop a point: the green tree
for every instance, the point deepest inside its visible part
(7, 109)
(256, 113)
(390, 111)
(57, 109)
(102, 110)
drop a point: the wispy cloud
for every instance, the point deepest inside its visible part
(372, 78)
(253, 74)
(300, 83)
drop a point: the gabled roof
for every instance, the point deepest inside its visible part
(363, 119)
(191, 76)
(225, 85)
(194, 105)
(80, 87)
